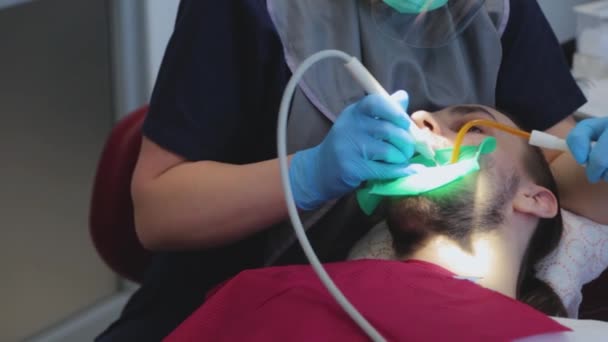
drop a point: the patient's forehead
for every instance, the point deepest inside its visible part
(466, 109)
(501, 117)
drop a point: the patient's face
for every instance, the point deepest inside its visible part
(446, 123)
(477, 203)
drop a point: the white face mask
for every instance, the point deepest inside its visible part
(415, 6)
(424, 23)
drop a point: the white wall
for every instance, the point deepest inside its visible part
(159, 21)
(140, 32)
(56, 112)
(561, 16)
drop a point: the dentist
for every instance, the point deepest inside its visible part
(206, 189)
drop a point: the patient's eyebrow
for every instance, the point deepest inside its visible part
(466, 109)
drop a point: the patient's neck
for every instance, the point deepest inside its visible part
(495, 258)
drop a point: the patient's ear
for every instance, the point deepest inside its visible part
(535, 200)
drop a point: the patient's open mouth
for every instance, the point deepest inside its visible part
(438, 142)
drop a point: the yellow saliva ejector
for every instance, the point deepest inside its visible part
(535, 138)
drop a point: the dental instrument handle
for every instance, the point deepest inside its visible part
(546, 140)
(365, 78)
(372, 86)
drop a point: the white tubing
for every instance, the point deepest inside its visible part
(355, 315)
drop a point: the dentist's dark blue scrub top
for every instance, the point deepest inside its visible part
(217, 97)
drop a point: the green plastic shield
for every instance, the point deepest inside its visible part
(432, 175)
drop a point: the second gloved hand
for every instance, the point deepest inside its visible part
(595, 156)
(368, 141)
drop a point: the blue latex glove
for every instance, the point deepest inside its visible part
(369, 140)
(596, 157)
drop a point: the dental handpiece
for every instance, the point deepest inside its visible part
(372, 86)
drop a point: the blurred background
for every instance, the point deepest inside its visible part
(69, 70)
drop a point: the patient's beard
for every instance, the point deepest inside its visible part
(475, 204)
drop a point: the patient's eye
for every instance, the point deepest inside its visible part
(465, 120)
(475, 129)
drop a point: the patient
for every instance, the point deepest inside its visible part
(490, 227)
(494, 225)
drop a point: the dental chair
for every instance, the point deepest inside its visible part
(111, 223)
(113, 231)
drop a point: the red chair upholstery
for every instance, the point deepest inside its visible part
(111, 221)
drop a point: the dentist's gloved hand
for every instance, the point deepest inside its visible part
(596, 157)
(369, 140)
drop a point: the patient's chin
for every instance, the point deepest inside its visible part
(414, 219)
(455, 211)
(414, 213)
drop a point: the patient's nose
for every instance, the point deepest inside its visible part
(424, 119)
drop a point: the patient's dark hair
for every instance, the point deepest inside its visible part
(545, 239)
(530, 290)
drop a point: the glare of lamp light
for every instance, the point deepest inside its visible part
(474, 264)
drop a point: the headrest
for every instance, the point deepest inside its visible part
(111, 220)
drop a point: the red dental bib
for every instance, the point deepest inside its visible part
(405, 301)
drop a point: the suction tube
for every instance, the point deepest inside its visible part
(463, 131)
(536, 138)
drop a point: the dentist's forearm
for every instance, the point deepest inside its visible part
(208, 204)
(577, 194)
